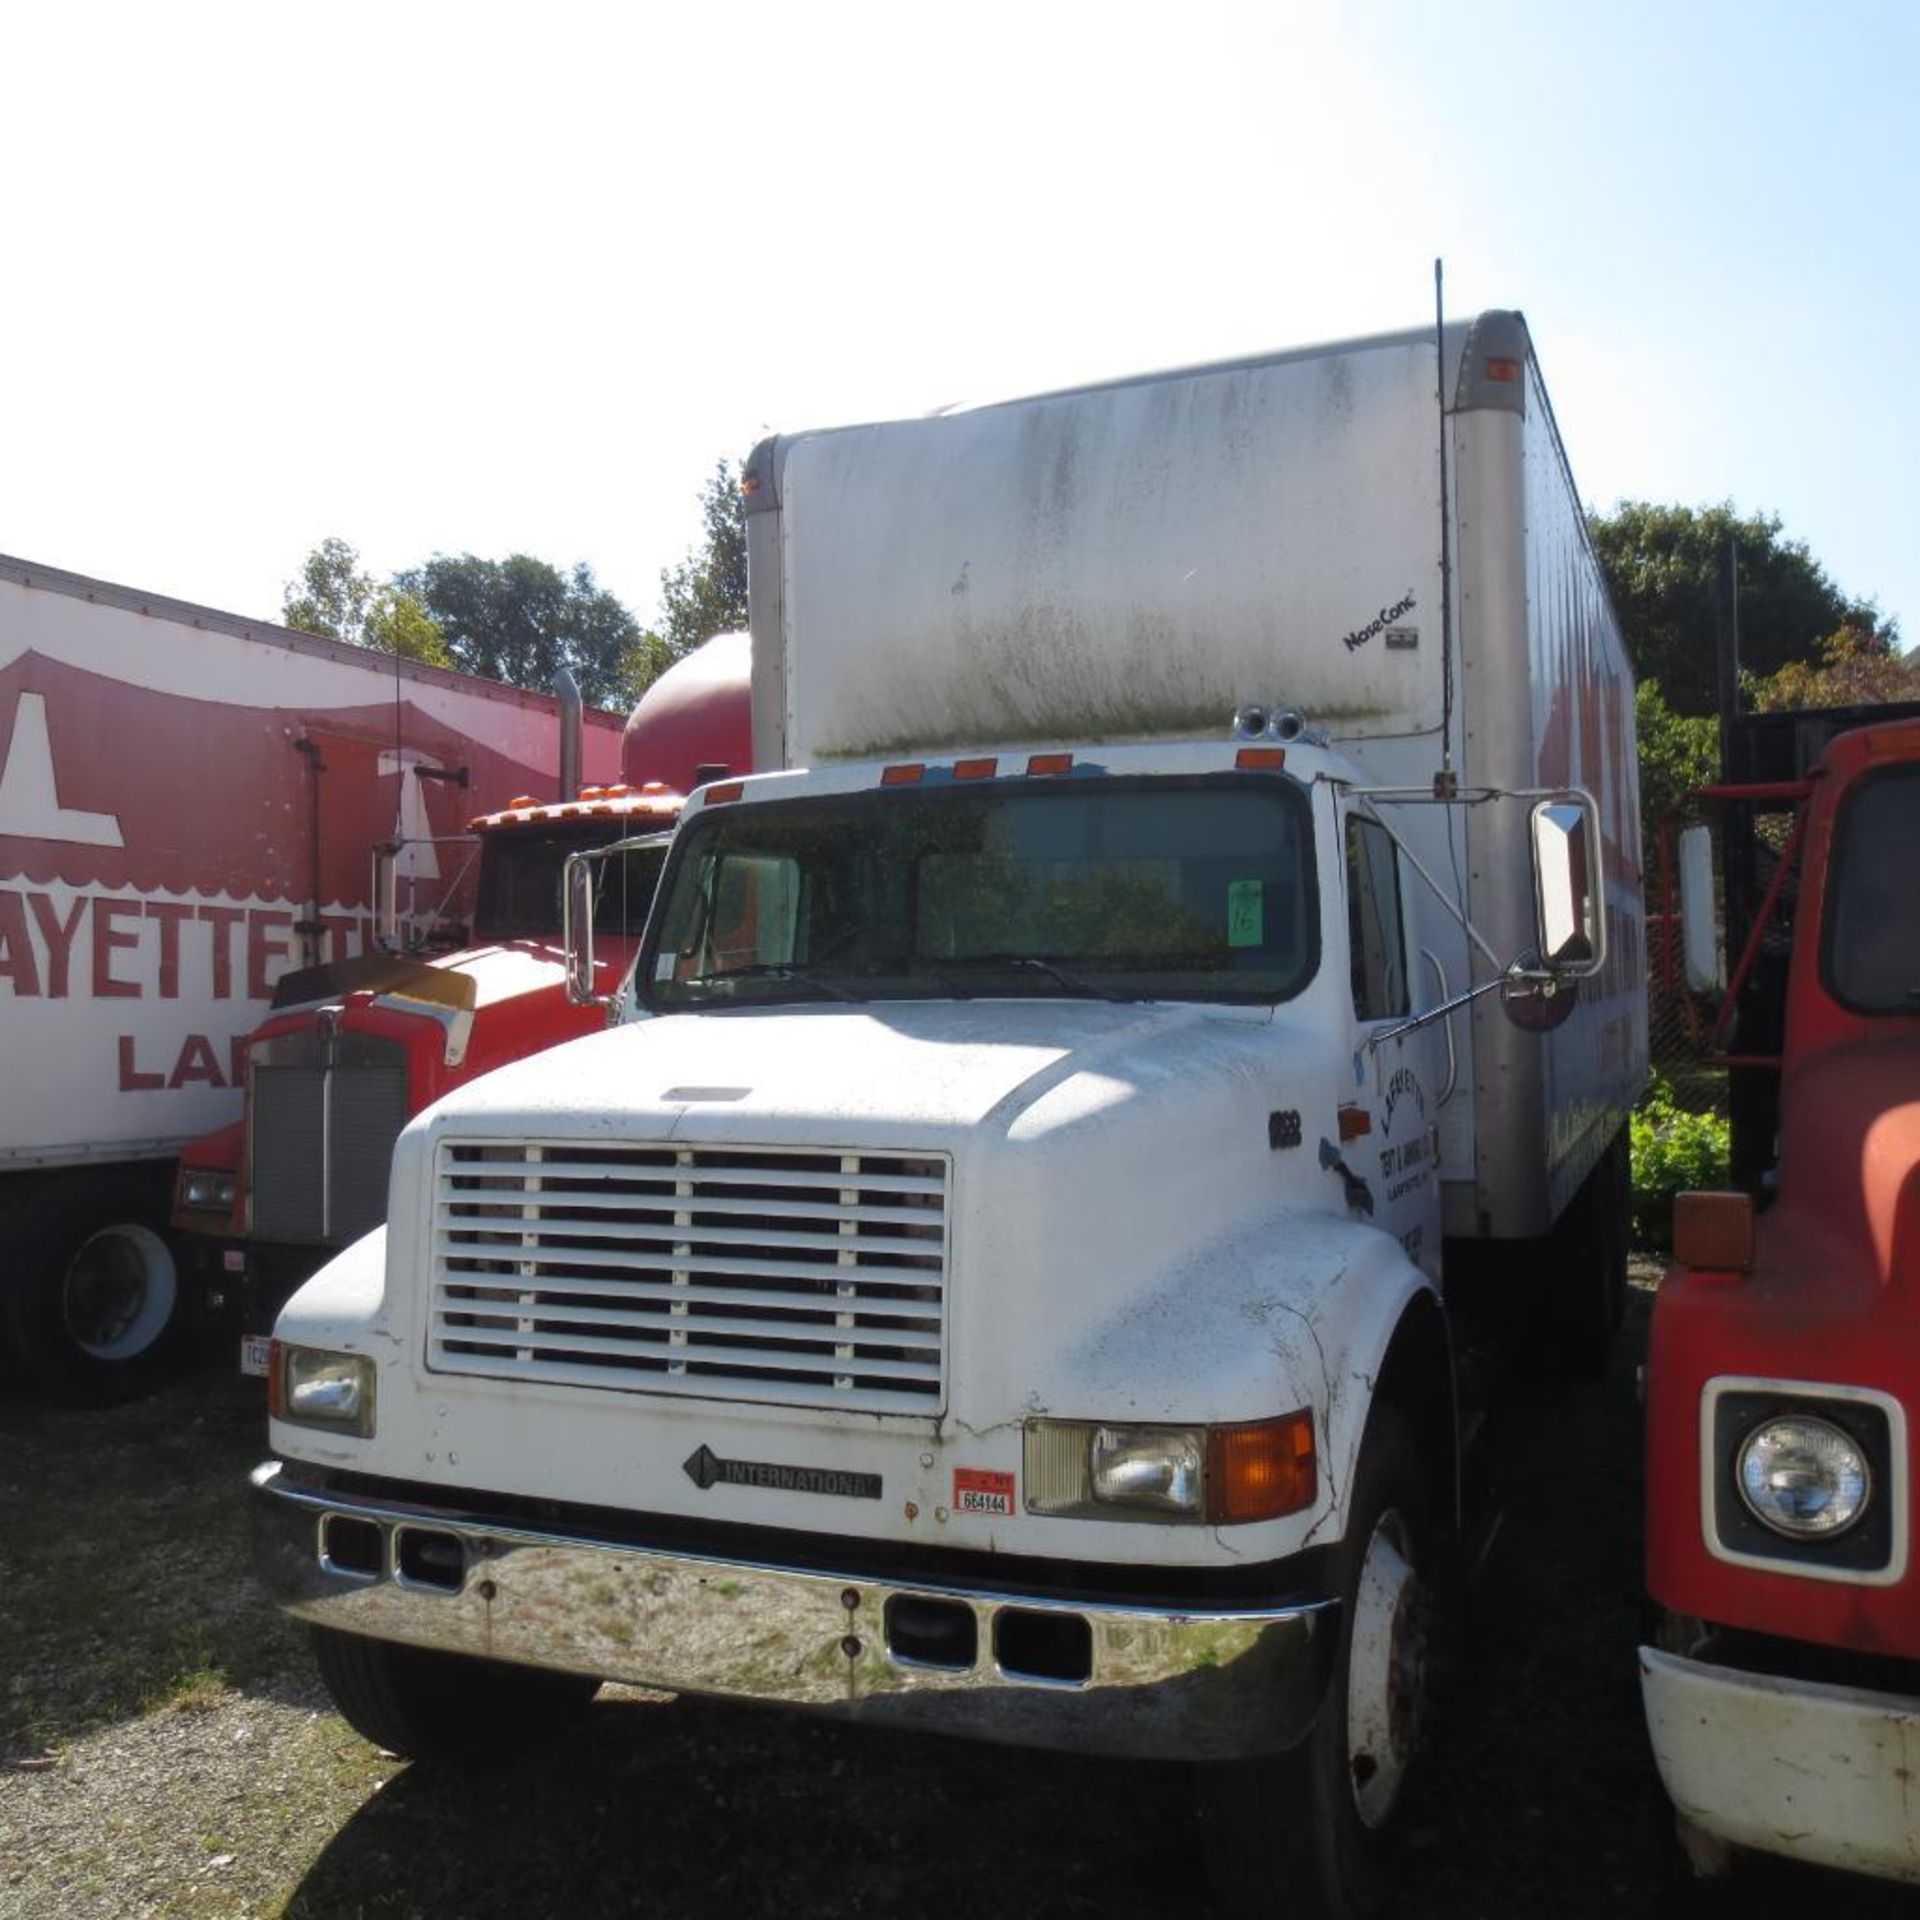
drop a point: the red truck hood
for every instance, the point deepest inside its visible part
(1850, 1154)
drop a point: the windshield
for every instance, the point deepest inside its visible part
(1873, 918)
(1112, 889)
(521, 874)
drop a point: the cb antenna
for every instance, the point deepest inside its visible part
(1444, 782)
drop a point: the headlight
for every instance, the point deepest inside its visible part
(313, 1388)
(206, 1190)
(1803, 1477)
(1218, 1475)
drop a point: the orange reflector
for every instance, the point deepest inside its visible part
(975, 769)
(749, 484)
(1354, 1122)
(1049, 763)
(1713, 1231)
(720, 795)
(903, 775)
(1261, 1470)
(1261, 759)
(1505, 371)
(276, 1374)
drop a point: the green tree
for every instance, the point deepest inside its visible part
(707, 592)
(1664, 566)
(333, 596)
(1679, 754)
(521, 620)
(1853, 668)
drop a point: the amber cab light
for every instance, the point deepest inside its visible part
(1713, 1232)
(1261, 1470)
(720, 795)
(1260, 759)
(1049, 763)
(975, 769)
(905, 774)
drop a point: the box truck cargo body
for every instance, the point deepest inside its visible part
(189, 804)
(998, 1280)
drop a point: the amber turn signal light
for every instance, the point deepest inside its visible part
(1261, 1470)
(1713, 1231)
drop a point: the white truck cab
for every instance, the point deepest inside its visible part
(991, 1280)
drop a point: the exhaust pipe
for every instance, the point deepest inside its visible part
(566, 690)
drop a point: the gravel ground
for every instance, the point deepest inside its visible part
(166, 1750)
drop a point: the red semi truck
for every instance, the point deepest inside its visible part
(352, 1050)
(1782, 1688)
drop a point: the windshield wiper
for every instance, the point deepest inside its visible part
(1033, 963)
(771, 970)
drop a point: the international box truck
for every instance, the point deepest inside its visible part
(1002, 1273)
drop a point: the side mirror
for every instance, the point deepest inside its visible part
(1699, 930)
(576, 922)
(1569, 896)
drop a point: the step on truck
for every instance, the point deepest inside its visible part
(995, 1277)
(353, 1048)
(1782, 1685)
(189, 803)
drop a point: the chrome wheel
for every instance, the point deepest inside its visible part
(1387, 1678)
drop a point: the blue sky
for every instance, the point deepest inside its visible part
(479, 278)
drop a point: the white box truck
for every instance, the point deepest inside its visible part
(189, 806)
(998, 1277)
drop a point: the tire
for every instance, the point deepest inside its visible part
(90, 1303)
(444, 1708)
(1316, 1834)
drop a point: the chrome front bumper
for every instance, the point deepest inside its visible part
(1158, 1684)
(1792, 1767)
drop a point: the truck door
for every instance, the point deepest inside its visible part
(1401, 1080)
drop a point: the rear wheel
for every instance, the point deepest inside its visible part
(1315, 1834)
(445, 1707)
(91, 1293)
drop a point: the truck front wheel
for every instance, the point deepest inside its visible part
(445, 1707)
(1314, 1834)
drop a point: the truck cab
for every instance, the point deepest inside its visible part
(1784, 1357)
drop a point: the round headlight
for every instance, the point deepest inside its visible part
(1803, 1477)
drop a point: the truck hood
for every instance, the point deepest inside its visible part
(907, 1072)
(1850, 1156)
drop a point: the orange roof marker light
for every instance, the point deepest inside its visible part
(906, 773)
(1038, 763)
(520, 800)
(727, 790)
(1260, 759)
(983, 769)
(1505, 371)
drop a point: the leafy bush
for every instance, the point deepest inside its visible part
(1674, 1151)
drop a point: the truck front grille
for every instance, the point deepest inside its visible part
(813, 1279)
(322, 1134)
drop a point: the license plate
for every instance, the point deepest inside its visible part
(254, 1349)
